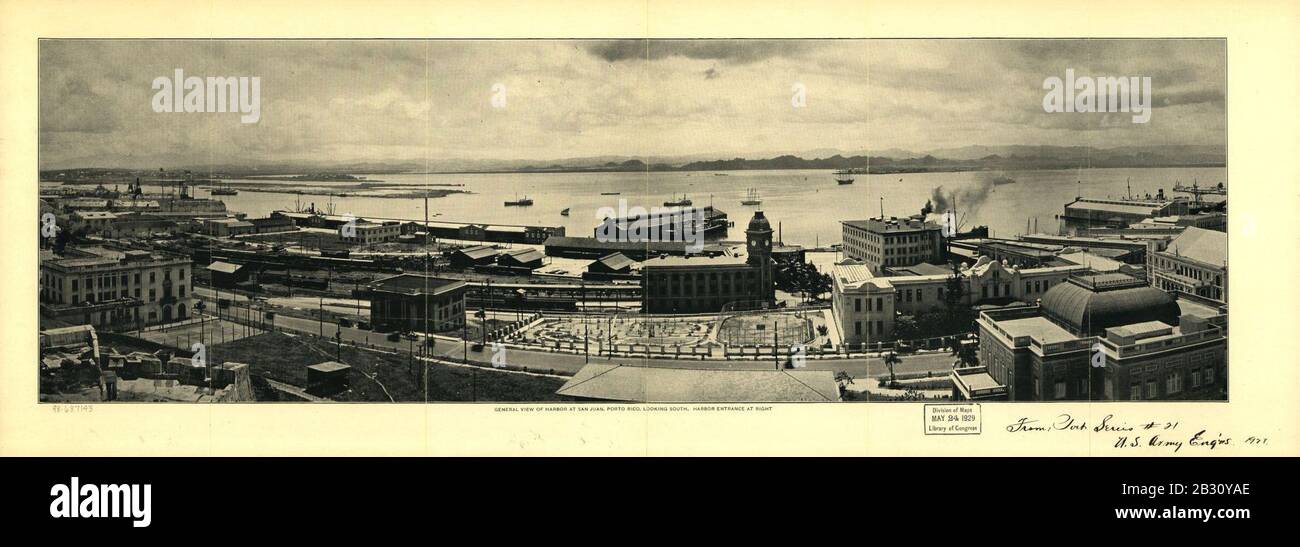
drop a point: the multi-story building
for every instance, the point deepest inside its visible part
(1195, 262)
(702, 284)
(413, 302)
(115, 288)
(1102, 337)
(367, 233)
(864, 305)
(886, 242)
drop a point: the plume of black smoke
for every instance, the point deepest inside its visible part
(969, 198)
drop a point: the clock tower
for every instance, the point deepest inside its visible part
(758, 248)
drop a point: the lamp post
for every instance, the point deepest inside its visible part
(519, 305)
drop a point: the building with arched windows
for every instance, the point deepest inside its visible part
(105, 287)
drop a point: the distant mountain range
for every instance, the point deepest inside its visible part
(967, 158)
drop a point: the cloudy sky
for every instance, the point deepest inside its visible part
(431, 101)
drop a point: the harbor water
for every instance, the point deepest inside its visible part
(807, 204)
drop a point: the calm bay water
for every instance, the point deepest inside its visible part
(807, 205)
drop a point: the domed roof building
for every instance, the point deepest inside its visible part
(1087, 306)
(1099, 337)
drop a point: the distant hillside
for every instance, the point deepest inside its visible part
(968, 158)
(974, 158)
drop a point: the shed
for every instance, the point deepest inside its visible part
(327, 378)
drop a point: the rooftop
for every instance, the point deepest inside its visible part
(478, 251)
(1091, 260)
(616, 261)
(689, 261)
(1144, 329)
(1091, 304)
(329, 366)
(413, 284)
(224, 267)
(1038, 328)
(892, 225)
(1205, 246)
(676, 385)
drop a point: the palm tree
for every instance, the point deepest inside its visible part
(892, 359)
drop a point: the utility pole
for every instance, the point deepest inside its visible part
(776, 356)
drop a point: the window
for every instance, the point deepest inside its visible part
(74, 284)
(182, 271)
(1151, 390)
(1196, 378)
(1209, 375)
(880, 304)
(1135, 391)
(1036, 289)
(1027, 287)
(1173, 383)
(857, 304)
(857, 328)
(152, 277)
(1060, 389)
(1110, 390)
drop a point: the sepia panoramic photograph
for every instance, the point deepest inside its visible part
(632, 221)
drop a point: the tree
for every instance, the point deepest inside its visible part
(906, 328)
(843, 379)
(969, 355)
(952, 291)
(892, 359)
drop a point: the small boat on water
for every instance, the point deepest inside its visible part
(224, 191)
(684, 202)
(526, 202)
(565, 212)
(1003, 180)
(752, 198)
(610, 193)
(844, 176)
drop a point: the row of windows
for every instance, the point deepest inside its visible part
(880, 328)
(107, 281)
(857, 304)
(1173, 384)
